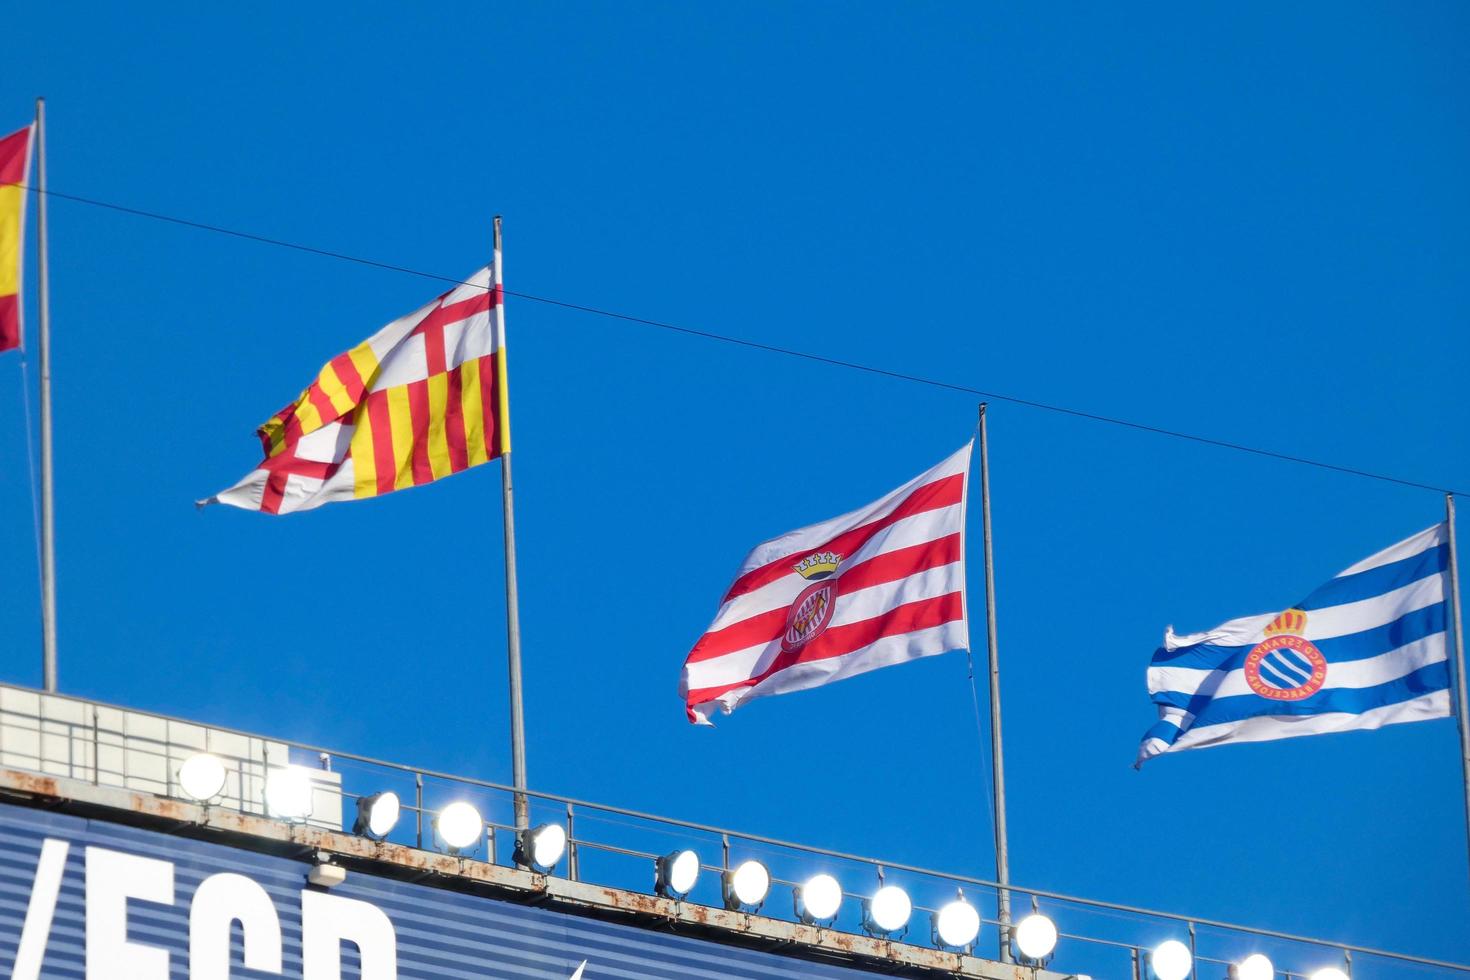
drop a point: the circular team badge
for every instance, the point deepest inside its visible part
(809, 615)
(1285, 668)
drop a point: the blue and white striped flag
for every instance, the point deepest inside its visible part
(1363, 651)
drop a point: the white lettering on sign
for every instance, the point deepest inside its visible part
(49, 869)
(113, 878)
(219, 901)
(327, 920)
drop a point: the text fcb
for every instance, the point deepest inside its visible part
(809, 615)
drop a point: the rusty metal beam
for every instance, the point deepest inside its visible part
(448, 871)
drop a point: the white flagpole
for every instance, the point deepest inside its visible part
(512, 598)
(997, 768)
(1462, 715)
(48, 532)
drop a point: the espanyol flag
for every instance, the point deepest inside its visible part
(1365, 650)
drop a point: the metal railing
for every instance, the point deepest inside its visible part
(618, 847)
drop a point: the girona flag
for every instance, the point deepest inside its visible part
(880, 585)
(420, 399)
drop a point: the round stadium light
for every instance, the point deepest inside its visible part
(541, 847)
(288, 793)
(746, 886)
(202, 777)
(1255, 967)
(460, 825)
(821, 897)
(676, 873)
(1171, 960)
(1329, 973)
(377, 814)
(888, 910)
(956, 924)
(1035, 937)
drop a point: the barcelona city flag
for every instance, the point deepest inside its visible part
(422, 398)
(15, 158)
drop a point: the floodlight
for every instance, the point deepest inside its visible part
(460, 825)
(288, 793)
(821, 897)
(957, 924)
(1329, 973)
(676, 873)
(1035, 937)
(1172, 960)
(1255, 967)
(888, 910)
(377, 814)
(541, 847)
(202, 777)
(746, 886)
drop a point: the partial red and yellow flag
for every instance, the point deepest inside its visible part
(15, 159)
(422, 398)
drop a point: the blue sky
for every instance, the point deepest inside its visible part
(1235, 220)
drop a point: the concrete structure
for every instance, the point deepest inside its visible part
(108, 746)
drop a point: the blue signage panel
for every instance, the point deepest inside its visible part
(102, 901)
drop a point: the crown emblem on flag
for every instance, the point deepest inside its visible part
(819, 564)
(1292, 622)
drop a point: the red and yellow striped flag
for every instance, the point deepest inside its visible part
(15, 159)
(422, 398)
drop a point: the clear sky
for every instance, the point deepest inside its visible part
(1247, 221)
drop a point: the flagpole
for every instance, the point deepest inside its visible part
(512, 598)
(1462, 715)
(48, 532)
(997, 767)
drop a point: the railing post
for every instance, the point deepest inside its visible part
(418, 809)
(571, 844)
(1193, 962)
(1137, 965)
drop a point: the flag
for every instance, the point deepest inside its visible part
(420, 399)
(15, 164)
(877, 586)
(1365, 650)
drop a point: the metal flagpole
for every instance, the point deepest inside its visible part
(997, 767)
(48, 532)
(1462, 717)
(512, 600)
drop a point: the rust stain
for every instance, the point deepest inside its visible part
(35, 783)
(529, 884)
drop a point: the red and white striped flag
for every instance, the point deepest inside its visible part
(880, 585)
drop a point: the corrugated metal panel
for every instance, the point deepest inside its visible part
(440, 933)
